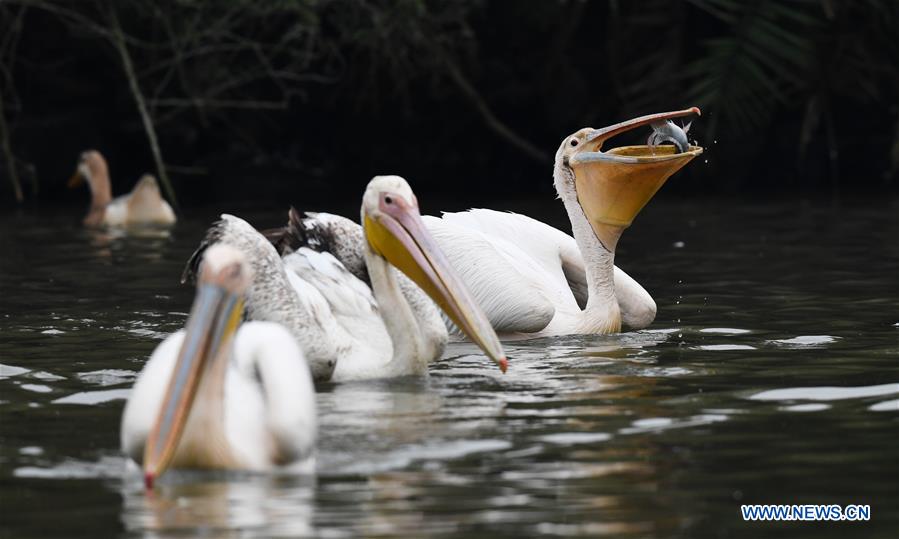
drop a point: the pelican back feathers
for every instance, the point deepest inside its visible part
(305, 316)
(323, 233)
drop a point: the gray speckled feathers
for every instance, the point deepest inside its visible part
(314, 293)
(324, 233)
(344, 239)
(306, 316)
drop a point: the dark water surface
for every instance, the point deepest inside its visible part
(771, 375)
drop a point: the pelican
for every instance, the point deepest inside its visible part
(377, 326)
(531, 279)
(221, 394)
(144, 205)
(535, 280)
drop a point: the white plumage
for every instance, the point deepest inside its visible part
(221, 394)
(144, 205)
(534, 280)
(269, 410)
(331, 313)
(523, 273)
(360, 324)
(350, 329)
(528, 276)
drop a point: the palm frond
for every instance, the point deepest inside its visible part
(742, 76)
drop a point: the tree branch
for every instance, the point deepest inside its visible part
(202, 103)
(8, 155)
(494, 123)
(8, 51)
(118, 40)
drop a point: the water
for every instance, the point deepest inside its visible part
(769, 376)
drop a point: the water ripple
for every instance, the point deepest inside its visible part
(805, 341)
(94, 397)
(827, 393)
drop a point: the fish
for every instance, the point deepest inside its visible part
(668, 131)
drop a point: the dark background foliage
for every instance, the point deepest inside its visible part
(290, 99)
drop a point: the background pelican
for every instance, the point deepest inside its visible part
(350, 328)
(143, 205)
(221, 395)
(536, 280)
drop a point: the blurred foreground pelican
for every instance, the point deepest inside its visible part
(221, 395)
(535, 280)
(377, 326)
(144, 205)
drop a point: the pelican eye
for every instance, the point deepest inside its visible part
(388, 200)
(573, 142)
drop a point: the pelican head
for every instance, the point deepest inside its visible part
(91, 168)
(614, 185)
(223, 279)
(395, 232)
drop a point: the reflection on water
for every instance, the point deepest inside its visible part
(770, 376)
(826, 393)
(220, 507)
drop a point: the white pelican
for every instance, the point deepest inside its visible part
(535, 280)
(347, 329)
(144, 205)
(529, 278)
(221, 394)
